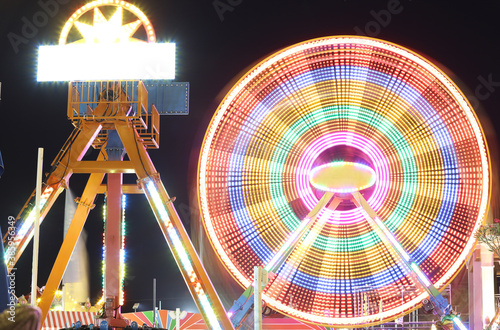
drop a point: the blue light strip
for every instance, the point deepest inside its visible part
(340, 286)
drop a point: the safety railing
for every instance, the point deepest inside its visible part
(109, 101)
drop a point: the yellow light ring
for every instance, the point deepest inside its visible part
(376, 258)
(98, 3)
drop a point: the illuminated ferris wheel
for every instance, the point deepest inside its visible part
(354, 171)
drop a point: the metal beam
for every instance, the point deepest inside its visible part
(73, 150)
(113, 238)
(75, 228)
(192, 270)
(135, 150)
(188, 261)
(126, 189)
(441, 306)
(111, 166)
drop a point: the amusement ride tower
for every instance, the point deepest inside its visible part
(120, 81)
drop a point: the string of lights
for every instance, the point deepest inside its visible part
(122, 249)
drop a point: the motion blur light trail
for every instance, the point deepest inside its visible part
(353, 100)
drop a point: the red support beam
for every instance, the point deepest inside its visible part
(113, 237)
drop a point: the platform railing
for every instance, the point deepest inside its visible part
(107, 101)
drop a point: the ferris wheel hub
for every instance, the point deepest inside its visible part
(342, 177)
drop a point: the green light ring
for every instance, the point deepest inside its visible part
(299, 128)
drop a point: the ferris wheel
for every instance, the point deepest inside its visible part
(354, 171)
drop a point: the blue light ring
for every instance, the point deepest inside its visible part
(345, 287)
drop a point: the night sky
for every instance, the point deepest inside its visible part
(217, 41)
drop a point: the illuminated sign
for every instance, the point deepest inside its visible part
(108, 49)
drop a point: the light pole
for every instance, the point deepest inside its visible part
(154, 302)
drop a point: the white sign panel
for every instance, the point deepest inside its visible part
(119, 61)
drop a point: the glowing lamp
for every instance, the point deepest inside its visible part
(342, 177)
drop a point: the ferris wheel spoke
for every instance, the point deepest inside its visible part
(296, 237)
(444, 309)
(299, 249)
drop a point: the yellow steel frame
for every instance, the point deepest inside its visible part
(138, 132)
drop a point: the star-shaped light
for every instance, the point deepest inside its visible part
(108, 31)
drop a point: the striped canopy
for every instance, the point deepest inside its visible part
(347, 99)
(56, 320)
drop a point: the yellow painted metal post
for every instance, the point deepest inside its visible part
(135, 150)
(199, 284)
(188, 261)
(69, 243)
(73, 150)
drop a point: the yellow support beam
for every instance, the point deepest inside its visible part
(127, 189)
(72, 151)
(84, 206)
(199, 284)
(112, 166)
(196, 277)
(135, 150)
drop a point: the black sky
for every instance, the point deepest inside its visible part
(217, 41)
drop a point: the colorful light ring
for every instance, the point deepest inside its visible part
(413, 127)
(314, 149)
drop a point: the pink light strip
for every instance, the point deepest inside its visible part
(381, 168)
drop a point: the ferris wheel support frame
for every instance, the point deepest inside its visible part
(442, 307)
(242, 307)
